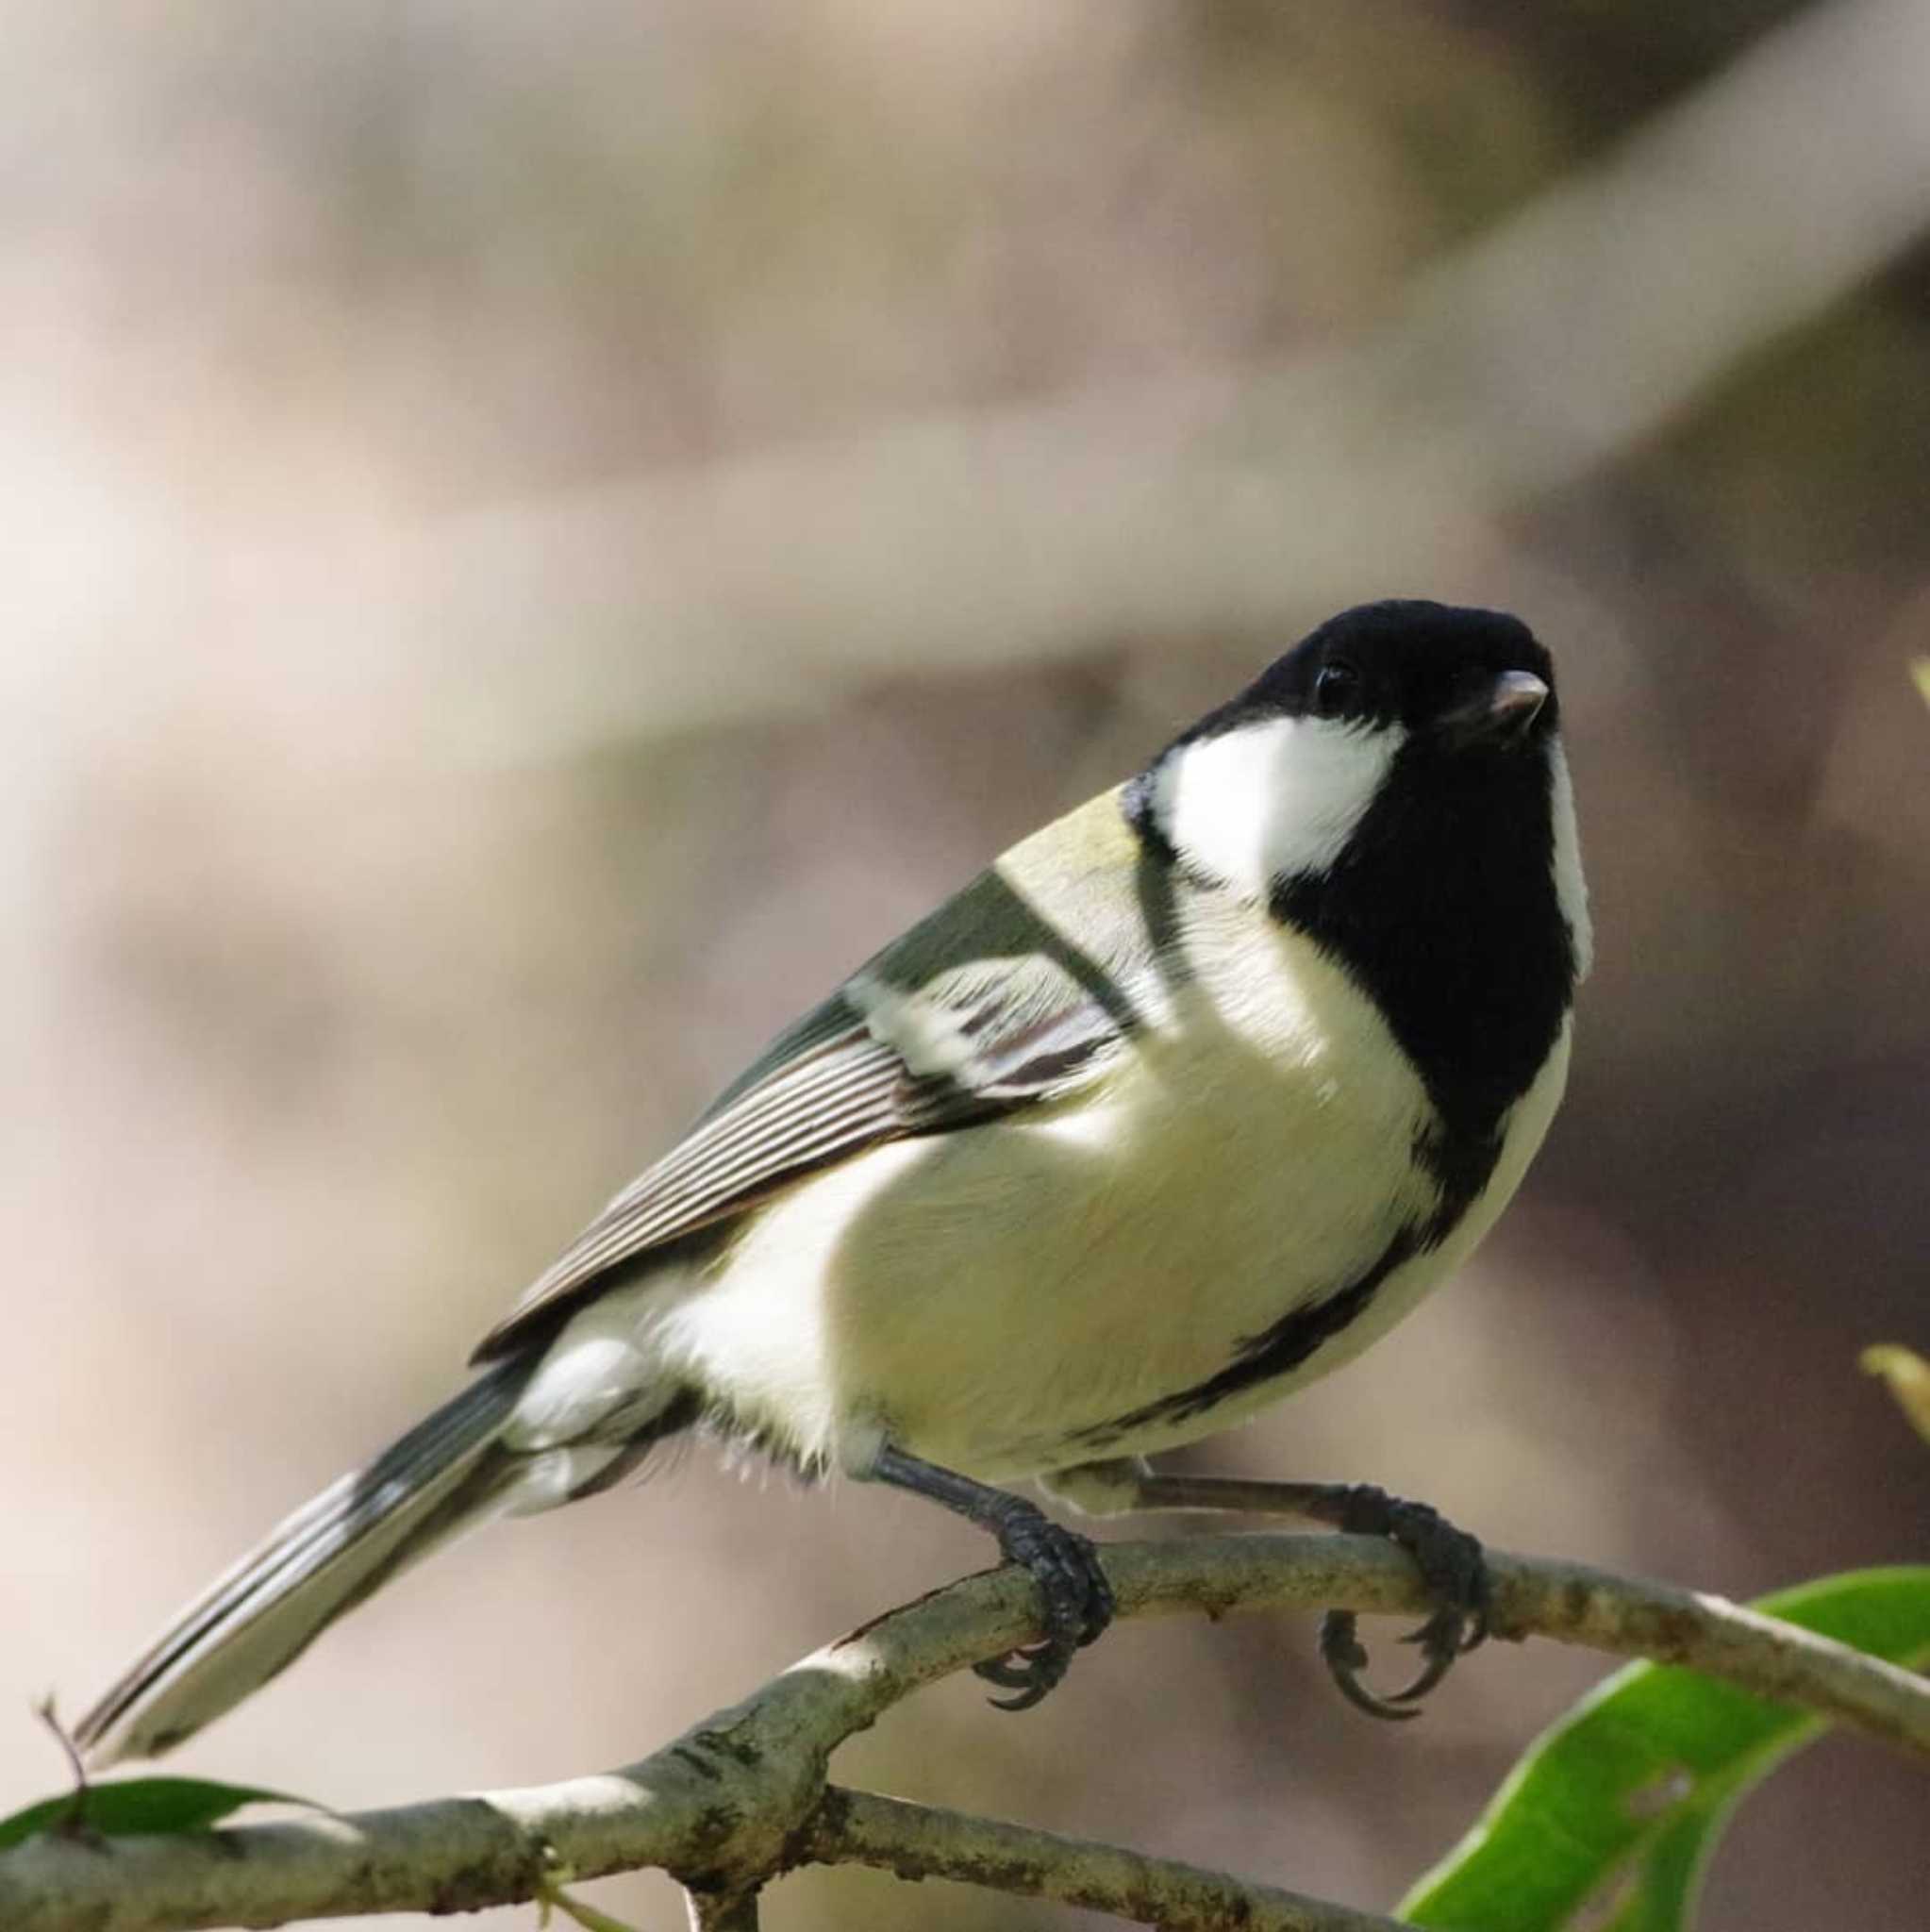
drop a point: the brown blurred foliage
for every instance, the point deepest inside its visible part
(541, 534)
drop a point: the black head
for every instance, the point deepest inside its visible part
(1395, 788)
(1476, 677)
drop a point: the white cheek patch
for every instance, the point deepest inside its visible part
(1272, 800)
(1570, 888)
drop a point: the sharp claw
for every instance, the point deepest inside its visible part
(1011, 1673)
(1481, 1617)
(1438, 1665)
(1031, 1672)
(1340, 1645)
(1075, 1597)
(1361, 1698)
(1345, 1658)
(1457, 1579)
(1441, 1631)
(1025, 1699)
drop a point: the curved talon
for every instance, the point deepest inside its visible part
(1075, 1600)
(1440, 1638)
(1469, 1632)
(1025, 1699)
(1452, 1566)
(1340, 1646)
(1481, 1620)
(1410, 1695)
(1441, 1631)
(1032, 1672)
(1009, 1673)
(1032, 1685)
(1345, 1658)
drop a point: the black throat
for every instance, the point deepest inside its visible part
(1443, 907)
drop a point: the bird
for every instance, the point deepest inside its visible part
(1180, 1104)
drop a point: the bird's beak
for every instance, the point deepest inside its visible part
(1500, 714)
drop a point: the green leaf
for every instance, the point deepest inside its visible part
(138, 1807)
(1610, 1818)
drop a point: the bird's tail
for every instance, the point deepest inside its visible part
(447, 1473)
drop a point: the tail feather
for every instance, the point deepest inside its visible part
(253, 1622)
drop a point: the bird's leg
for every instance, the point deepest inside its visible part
(1449, 1559)
(1073, 1593)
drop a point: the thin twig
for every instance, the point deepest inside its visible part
(923, 1841)
(723, 1807)
(73, 1822)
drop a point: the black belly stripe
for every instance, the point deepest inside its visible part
(1443, 911)
(1277, 1349)
(1461, 1165)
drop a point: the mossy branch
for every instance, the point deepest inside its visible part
(743, 1796)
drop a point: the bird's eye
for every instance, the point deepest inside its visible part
(1335, 689)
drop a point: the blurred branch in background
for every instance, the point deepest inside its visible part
(1242, 500)
(742, 1797)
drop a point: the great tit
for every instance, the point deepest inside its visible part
(1181, 1104)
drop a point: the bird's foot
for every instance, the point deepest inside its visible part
(1455, 1574)
(1075, 1596)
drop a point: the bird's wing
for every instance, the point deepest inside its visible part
(983, 1009)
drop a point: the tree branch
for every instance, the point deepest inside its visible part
(733, 1801)
(921, 1841)
(722, 1911)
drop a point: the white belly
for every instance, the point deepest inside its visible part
(984, 1296)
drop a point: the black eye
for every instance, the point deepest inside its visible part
(1337, 689)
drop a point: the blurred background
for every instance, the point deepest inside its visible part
(540, 536)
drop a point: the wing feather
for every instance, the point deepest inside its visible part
(1008, 1016)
